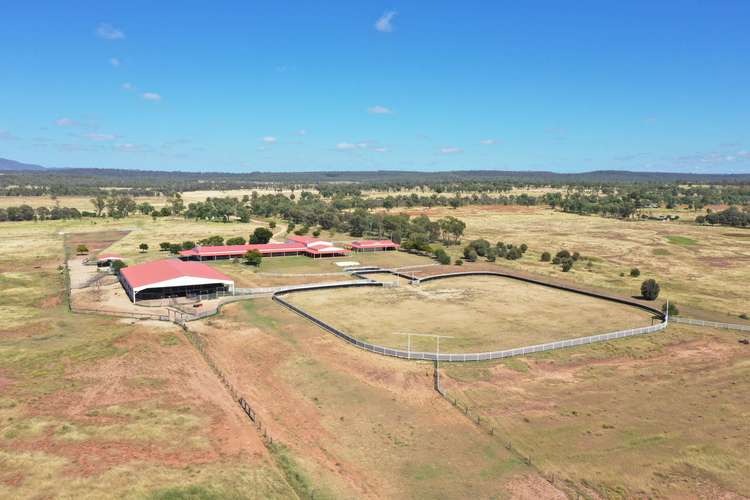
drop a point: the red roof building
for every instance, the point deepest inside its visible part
(295, 245)
(373, 245)
(172, 278)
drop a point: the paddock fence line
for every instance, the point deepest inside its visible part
(559, 286)
(200, 346)
(712, 324)
(458, 357)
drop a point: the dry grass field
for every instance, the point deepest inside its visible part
(482, 313)
(99, 407)
(357, 425)
(660, 416)
(697, 267)
(93, 406)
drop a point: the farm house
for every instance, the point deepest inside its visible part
(172, 278)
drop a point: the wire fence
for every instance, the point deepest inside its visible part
(712, 324)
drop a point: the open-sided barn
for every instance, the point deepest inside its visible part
(172, 278)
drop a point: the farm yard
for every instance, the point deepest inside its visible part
(87, 398)
(480, 313)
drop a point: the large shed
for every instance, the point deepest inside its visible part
(172, 278)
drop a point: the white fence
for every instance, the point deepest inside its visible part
(478, 356)
(713, 324)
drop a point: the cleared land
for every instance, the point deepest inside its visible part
(482, 313)
(357, 425)
(98, 407)
(697, 266)
(663, 415)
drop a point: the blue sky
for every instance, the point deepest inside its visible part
(334, 85)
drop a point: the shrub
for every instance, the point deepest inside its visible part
(175, 248)
(481, 247)
(673, 311)
(744, 316)
(303, 230)
(650, 289)
(272, 224)
(81, 249)
(635, 272)
(562, 254)
(143, 247)
(442, 257)
(253, 258)
(212, 241)
(187, 245)
(316, 233)
(117, 265)
(237, 240)
(523, 247)
(546, 257)
(575, 256)
(459, 262)
(470, 254)
(261, 235)
(164, 246)
(513, 254)
(567, 265)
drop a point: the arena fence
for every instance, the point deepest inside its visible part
(712, 324)
(477, 356)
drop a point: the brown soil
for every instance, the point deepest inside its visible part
(187, 383)
(533, 487)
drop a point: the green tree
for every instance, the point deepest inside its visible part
(635, 272)
(82, 249)
(175, 248)
(650, 289)
(117, 265)
(187, 245)
(237, 240)
(673, 311)
(143, 247)
(100, 203)
(261, 235)
(253, 258)
(442, 257)
(164, 246)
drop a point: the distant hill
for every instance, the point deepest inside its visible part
(6, 164)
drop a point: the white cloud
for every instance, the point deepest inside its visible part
(345, 146)
(115, 62)
(128, 86)
(450, 150)
(128, 147)
(99, 137)
(65, 122)
(109, 32)
(269, 139)
(380, 150)
(488, 142)
(151, 96)
(379, 110)
(7, 136)
(384, 23)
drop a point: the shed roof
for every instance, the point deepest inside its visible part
(152, 274)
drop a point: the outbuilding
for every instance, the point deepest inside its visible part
(173, 278)
(106, 260)
(373, 246)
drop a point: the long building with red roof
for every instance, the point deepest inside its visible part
(373, 246)
(172, 278)
(295, 245)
